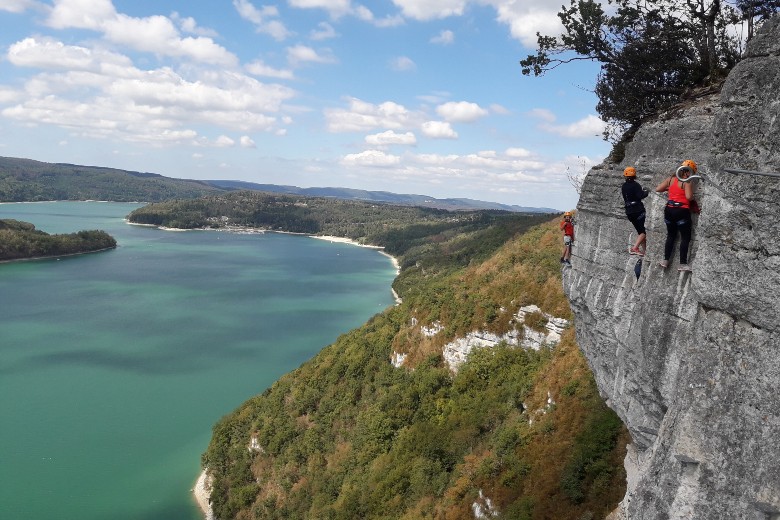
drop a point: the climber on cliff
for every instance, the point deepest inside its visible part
(567, 226)
(635, 209)
(677, 213)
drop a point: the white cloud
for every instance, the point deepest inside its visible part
(521, 153)
(197, 156)
(370, 158)
(527, 18)
(389, 137)
(589, 126)
(258, 68)
(445, 37)
(260, 18)
(461, 111)
(324, 31)
(47, 53)
(438, 130)
(402, 64)
(335, 8)
(153, 34)
(362, 116)
(101, 94)
(189, 25)
(224, 141)
(499, 109)
(18, 6)
(247, 142)
(542, 114)
(431, 9)
(302, 54)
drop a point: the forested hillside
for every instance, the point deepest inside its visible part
(522, 434)
(402, 230)
(20, 240)
(24, 180)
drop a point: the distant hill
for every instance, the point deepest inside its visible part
(21, 241)
(381, 196)
(26, 180)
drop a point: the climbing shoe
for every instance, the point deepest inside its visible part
(636, 251)
(685, 268)
(568, 264)
(664, 263)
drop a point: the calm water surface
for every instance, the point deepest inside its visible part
(114, 366)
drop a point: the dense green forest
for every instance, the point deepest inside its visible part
(20, 240)
(406, 231)
(348, 435)
(24, 180)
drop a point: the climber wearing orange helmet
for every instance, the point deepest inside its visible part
(635, 209)
(677, 213)
(567, 226)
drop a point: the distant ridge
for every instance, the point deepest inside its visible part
(28, 180)
(381, 196)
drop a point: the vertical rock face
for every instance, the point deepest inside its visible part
(691, 361)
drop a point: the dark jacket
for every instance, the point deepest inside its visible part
(632, 197)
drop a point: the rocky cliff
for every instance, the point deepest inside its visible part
(691, 361)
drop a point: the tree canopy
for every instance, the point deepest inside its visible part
(651, 51)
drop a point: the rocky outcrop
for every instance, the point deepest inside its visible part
(691, 361)
(456, 352)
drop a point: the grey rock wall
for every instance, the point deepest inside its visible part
(691, 361)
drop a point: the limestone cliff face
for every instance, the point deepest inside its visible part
(691, 361)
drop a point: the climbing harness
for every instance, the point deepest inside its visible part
(757, 210)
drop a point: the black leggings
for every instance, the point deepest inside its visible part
(677, 219)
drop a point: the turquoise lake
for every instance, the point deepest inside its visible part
(114, 366)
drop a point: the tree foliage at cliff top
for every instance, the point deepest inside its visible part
(20, 240)
(347, 435)
(651, 51)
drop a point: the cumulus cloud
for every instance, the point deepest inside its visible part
(189, 25)
(48, 53)
(18, 6)
(375, 158)
(527, 18)
(299, 54)
(247, 142)
(438, 130)
(362, 116)
(446, 37)
(153, 34)
(402, 64)
(224, 141)
(389, 137)
(431, 9)
(324, 31)
(589, 126)
(258, 68)
(264, 19)
(461, 111)
(101, 94)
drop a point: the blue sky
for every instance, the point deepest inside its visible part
(409, 96)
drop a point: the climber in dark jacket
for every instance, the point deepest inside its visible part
(635, 209)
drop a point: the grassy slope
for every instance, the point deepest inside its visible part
(348, 436)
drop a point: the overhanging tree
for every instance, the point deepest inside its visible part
(651, 51)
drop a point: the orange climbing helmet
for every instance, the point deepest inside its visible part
(630, 171)
(689, 164)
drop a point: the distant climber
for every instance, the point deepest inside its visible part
(635, 209)
(567, 226)
(677, 213)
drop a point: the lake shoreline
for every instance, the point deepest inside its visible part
(51, 257)
(202, 494)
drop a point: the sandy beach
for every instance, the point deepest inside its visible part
(354, 243)
(202, 491)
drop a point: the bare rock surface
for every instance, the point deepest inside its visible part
(691, 361)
